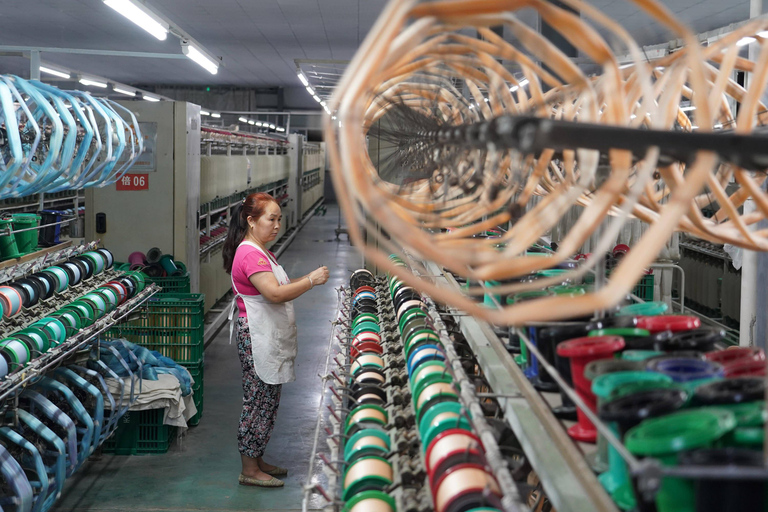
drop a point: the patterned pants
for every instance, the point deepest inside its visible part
(260, 401)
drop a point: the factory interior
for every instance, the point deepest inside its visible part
(383, 256)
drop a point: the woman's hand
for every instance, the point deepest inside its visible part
(319, 276)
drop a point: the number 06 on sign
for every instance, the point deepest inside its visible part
(133, 182)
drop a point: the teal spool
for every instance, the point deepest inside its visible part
(640, 355)
(166, 261)
(488, 297)
(55, 329)
(644, 309)
(17, 352)
(602, 387)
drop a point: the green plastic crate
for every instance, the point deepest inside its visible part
(172, 285)
(141, 433)
(196, 371)
(644, 289)
(174, 326)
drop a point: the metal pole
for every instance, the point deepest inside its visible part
(749, 272)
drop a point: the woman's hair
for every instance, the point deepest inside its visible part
(252, 206)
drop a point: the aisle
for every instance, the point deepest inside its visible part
(201, 474)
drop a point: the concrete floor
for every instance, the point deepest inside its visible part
(200, 473)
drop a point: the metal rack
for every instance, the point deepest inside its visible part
(567, 479)
(212, 209)
(15, 382)
(44, 258)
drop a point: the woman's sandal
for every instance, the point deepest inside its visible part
(272, 482)
(278, 471)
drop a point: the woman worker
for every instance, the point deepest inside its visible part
(266, 328)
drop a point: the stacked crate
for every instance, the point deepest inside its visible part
(173, 326)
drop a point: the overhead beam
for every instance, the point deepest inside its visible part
(11, 49)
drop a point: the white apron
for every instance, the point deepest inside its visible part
(272, 326)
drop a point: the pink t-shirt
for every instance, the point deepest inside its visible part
(248, 261)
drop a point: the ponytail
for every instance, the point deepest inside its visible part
(252, 206)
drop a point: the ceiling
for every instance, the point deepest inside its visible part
(258, 39)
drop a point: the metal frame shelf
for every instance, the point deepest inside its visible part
(566, 477)
(30, 263)
(57, 355)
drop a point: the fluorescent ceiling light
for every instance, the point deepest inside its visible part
(215, 114)
(258, 123)
(310, 91)
(251, 122)
(280, 129)
(694, 127)
(127, 92)
(486, 100)
(688, 109)
(204, 113)
(718, 126)
(471, 106)
(54, 72)
(271, 127)
(317, 98)
(333, 117)
(150, 98)
(322, 103)
(141, 16)
(93, 83)
(744, 41)
(242, 120)
(763, 34)
(197, 56)
(303, 78)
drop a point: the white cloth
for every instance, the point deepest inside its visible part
(163, 393)
(272, 326)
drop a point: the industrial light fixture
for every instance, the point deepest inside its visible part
(310, 91)
(54, 72)
(251, 122)
(149, 97)
(303, 78)
(258, 123)
(521, 83)
(204, 113)
(280, 129)
(92, 83)
(688, 109)
(199, 57)
(271, 127)
(141, 16)
(333, 117)
(322, 103)
(744, 41)
(317, 98)
(327, 110)
(215, 114)
(763, 34)
(121, 90)
(242, 119)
